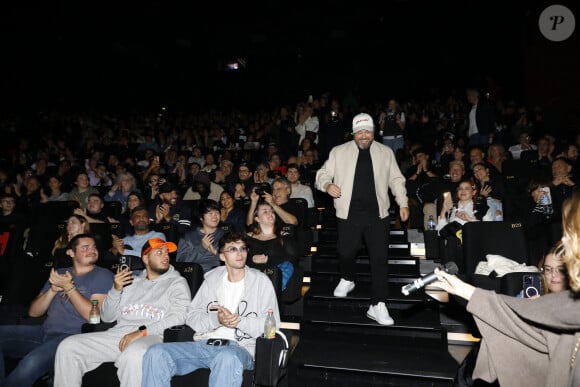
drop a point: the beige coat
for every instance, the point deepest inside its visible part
(340, 167)
(527, 342)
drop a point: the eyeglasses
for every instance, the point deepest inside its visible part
(558, 270)
(235, 250)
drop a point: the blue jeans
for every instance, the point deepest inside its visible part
(35, 349)
(394, 143)
(226, 363)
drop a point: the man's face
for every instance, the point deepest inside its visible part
(455, 173)
(169, 198)
(292, 175)
(140, 220)
(560, 168)
(244, 173)
(234, 255)
(7, 205)
(211, 218)
(421, 158)
(85, 252)
(95, 205)
(157, 260)
(280, 193)
(476, 156)
(364, 138)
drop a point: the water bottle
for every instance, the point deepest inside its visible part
(95, 315)
(270, 325)
(431, 223)
(546, 201)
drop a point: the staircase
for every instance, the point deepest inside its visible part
(340, 346)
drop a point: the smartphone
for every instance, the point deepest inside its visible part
(218, 342)
(532, 285)
(125, 262)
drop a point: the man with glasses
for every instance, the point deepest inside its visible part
(66, 300)
(142, 307)
(227, 314)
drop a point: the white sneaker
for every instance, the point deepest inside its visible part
(380, 314)
(344, 287)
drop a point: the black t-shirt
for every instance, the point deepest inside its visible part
(363, 202)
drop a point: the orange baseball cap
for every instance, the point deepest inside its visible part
(155, 243)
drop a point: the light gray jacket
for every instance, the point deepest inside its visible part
(258, 297)
(341, 165)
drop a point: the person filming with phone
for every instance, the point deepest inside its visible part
(541, 335)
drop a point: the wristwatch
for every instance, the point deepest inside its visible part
(143, 330)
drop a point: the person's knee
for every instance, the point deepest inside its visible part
(227, 359)
(155, 351)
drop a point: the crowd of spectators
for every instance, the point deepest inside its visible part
(158, 160)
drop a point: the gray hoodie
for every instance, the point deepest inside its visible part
(157, 304)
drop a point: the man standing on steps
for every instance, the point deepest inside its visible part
(358, 175)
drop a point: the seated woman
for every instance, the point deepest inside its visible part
(553, 271)
(492, 189)
(124, 185)
(75, 225)
(540, 336)
(465, 207)
(230, 214)
(270, 247)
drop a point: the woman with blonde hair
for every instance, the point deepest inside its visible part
(529, 342)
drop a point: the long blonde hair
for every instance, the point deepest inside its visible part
(571, 238)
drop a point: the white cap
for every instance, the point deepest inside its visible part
(362, 121)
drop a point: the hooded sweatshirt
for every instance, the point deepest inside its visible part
(157, 304)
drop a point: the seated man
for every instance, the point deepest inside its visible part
(66, 299)
(142, 306)
(201, 245)
(132, 244)
(94, 211)
(231, 305)
(299, 190)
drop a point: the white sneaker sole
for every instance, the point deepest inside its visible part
(392, 322)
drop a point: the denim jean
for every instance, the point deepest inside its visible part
(226, 363)
(35, 349)
(394, 143)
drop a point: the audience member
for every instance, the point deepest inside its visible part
(539, 336)
(232, 304)
(142, 307)
(75, 225)
(66, 300)
(270, 247)
(200, 245)
(230, 214)
(82, 190)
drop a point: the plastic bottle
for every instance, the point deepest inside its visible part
(270, 325)
(431, 223)
(95, 315)
(546, 201)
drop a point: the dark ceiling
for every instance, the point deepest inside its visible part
(147, 53)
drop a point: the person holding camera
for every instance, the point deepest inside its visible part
(358, 176)
(529, 342)
(142, 306)
(278, 197)
(392, 124)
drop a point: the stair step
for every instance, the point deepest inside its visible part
(421, 358)
(410, 318)
(323, 287)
